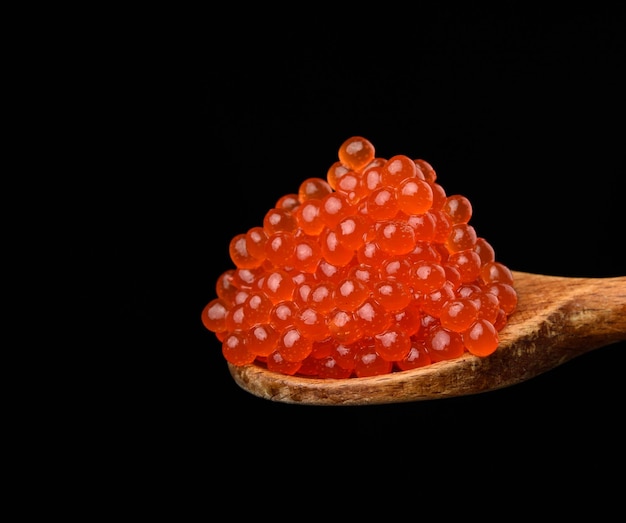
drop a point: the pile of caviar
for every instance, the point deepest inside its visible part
(371, 270)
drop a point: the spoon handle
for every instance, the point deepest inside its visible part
(580, 314)
(600, 313)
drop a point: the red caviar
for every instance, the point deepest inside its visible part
(368, 270)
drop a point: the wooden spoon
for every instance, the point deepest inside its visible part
(556, 319)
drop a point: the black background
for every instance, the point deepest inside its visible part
(213, 117)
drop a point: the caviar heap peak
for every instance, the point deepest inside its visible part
(368, 270)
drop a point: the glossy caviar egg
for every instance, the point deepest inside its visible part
(428, 322)
(439, 197)
(247, 278)
(393, 295)
(279, 220)
(443, 224)
(370, 363)
(225, 287)
(313, 189)
(414, 196)
(501, 319)
(344, 326)
(453, 276)
(461, 237)
(372, 177)
(303, 290)
(408, 318)
(345, 354)
(236, 318)
(382, 203)
(398, 268)
(257, 308)
(416, 357)
(239, 254)
(458, 207)
(334, 174)
(280, 249)
(376, 162)
(506, 294)
(350, 293)
(312, 324)
(308, 217)
(444, 344)
(234, 349)
(427, 170)
(322, 297)
(488, 305)
(369, 270)
(423, 225)
(256, 237)
(262, 340)
(396, 237)
(241, 296)
(283, 314)
(278, 285)
(333, 250)
(328, 272)
(356, 152)
(330, 368)
(366, 274)
(397, 169)
(432, 302)
(322, 348)
(214, 315)
(495, 271)
(277, 363)
(468, 264)
(371, 254)
(428, 277)
(351, 231)
(392, 344)
(293, 345)
(306, 255)
(350, 185)
(335, 207)
(458, 314)
(484, 249)
(481, 338)
(288, 202)
(372, 317)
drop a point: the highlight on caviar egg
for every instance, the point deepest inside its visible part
(365, 269)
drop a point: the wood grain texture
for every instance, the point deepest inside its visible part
(557, 319)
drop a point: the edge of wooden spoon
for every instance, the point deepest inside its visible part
(556, 319)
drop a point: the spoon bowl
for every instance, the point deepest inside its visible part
(557, 318)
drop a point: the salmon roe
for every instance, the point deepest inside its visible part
(369, 270)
